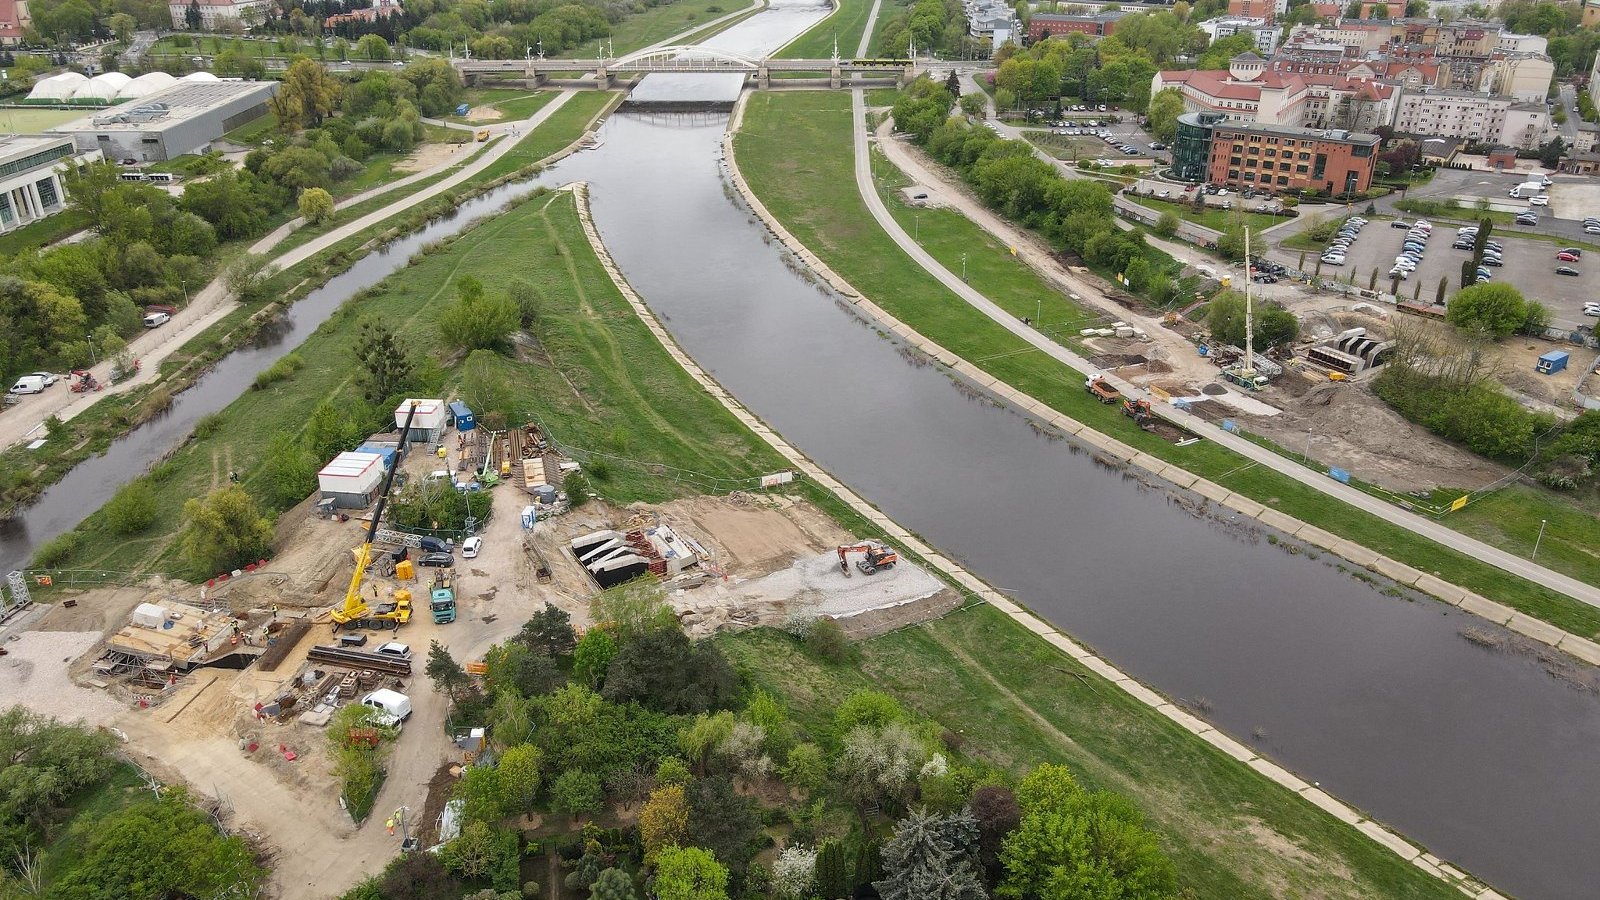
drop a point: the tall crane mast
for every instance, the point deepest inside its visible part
(353, 607)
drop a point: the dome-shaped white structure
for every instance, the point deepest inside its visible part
(101, 88)
(57, 88)
(145, 85)
(201, 76)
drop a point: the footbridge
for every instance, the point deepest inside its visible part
(685, 59)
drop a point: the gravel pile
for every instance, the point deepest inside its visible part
(34, 674)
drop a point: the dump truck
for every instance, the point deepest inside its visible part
(443, 600)
(1102, 390)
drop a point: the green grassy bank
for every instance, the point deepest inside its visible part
(795, 151)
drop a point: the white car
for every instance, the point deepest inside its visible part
(394, 649)
(1540, 200)
(471, 546)
(1334, 260)
(1591, 309)
(156, 320)
(48, 377)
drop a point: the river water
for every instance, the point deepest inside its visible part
(1478, 753)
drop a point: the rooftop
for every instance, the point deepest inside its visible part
(1326, 134)
(175, 105)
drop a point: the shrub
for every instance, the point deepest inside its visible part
(132, 508)
(55, 551)
(826, 639)
(207, 426)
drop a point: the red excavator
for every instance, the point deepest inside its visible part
(877, 557)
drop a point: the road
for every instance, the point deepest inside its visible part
(1319, 481)
(26, 420)
(1569, 105)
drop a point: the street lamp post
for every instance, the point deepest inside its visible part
(93, 360)
(185, 283)
(963, 267)
(1536, 540)
(916, 227)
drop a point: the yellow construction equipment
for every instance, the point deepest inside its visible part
(354, 612)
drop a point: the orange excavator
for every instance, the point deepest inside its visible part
(877, 557)
(1139, 411)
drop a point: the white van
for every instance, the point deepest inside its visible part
(28, 384)
(393, 707)
(156, 320)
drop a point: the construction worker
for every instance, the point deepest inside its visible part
(389, 824)
(274, 612)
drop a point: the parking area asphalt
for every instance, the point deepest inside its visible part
(1126, 131)
(1529, 265)
(1572, 197)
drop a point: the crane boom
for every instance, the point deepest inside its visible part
(353, 608)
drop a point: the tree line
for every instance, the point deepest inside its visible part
(664, 774)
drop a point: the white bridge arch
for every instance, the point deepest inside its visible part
(683, 59)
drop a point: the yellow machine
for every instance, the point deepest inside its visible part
(354, 612)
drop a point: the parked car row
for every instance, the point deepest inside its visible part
(1591, 225)
(1412, 248)
(1347, 234)
(1569, 255)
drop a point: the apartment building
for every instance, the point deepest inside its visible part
(1472, 116)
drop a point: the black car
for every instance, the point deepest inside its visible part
(1264, 278)
(1461, 245)
(438, 560)
(1527, 220)
(1399, 223)
(1566, 270)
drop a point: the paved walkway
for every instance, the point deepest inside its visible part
(212, 303)
(1428, 528)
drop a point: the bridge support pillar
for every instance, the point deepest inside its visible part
(907, 75)
(603, 77)
(834, 77)
(469, 78)
(763, 78)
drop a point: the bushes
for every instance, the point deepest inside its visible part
(56, 551)
(132, 508)
(1475, 414)
(278, 371)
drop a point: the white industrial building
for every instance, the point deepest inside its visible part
(30, 177)
(163, 124)
(352, 479)
(429, 425)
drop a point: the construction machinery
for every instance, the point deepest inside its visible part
(443, 600)
(876, 557)
(1139, 411)
(1101, 389)
(354, 611)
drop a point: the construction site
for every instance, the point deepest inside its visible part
(230, 685)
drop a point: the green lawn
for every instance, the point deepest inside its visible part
(846, 24)
(656, 24)
(1212, 217)
(513, 104)
(1016, 702)
(564, 126)
(795, 150)
(595, 383)
(210, 45)
(24, 120)
(1069, 147)
(890, 9)
(46, 231)
(255, 131)
(86, 811)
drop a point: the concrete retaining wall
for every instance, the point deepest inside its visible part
(1460, 597)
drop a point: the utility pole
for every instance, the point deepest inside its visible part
(93, 360)
(963, 267)
(1537, 540)
(1249, 325)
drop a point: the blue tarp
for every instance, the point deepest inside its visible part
(386, 452)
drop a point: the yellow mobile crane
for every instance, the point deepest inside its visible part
(355, 612)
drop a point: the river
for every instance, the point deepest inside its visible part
(1479, 754)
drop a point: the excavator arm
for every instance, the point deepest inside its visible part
(354, 607)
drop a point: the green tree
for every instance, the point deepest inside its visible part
(577, 792)
(549, 632)
(478, 320)
(1165, 107)
(447, 675)
(520, 776)
(191, 16)
(1167, 225)
(833, 876)
(1493, 309)
(159, 848)
(723, 821)
(315, 205)
(373, 47)
(308, 94)
(663, 820)
(481, 795)
(612, 884)
(386, 367)
(701, 737)
(593, 656)
(287, 473)
(132, 508)
(690, 873)
(665, 671)
(806, 768)
(933, 858)
(224, 530)
(1551, 152)
(974, 105)
(867, 707)
(1273, 325)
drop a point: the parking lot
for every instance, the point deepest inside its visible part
(1123, 132)
(1572, 197)
(1529, 265)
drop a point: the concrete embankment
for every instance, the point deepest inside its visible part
(1110, 447)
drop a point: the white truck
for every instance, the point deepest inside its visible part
(1527, 189)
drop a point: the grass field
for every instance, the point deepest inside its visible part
(513, 104)
(32, 121)
(1016, 701)
(656, 24)
(595, 382)
(1069, 147)
(1218, 219)
(847, 24)
(46, 231)
(795, 151)
(889, 10)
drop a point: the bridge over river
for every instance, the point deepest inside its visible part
(686, 60)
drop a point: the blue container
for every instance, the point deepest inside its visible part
(462, 109)
(1552, 362)
(461, 416)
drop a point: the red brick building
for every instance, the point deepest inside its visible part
(1043, 25)
(1279, 158)
(1255, 9)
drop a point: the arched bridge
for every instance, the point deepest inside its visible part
(684, 59)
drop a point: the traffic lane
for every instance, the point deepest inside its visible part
(1529, 266)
